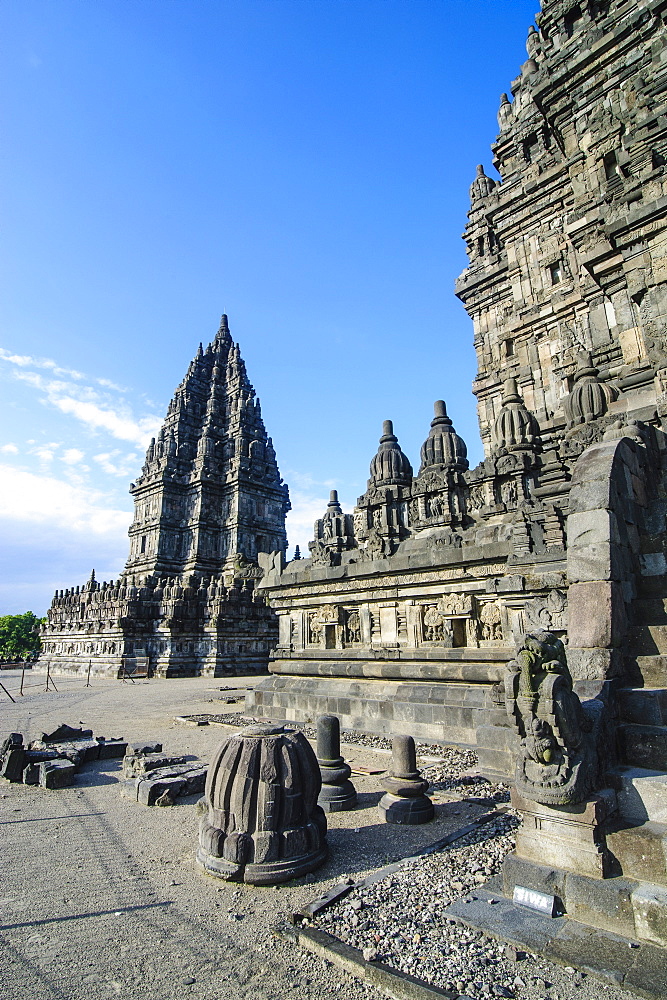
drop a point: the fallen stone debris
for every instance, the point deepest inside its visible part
(155, 778)
(53, 760)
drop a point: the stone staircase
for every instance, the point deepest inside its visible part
(634, 903)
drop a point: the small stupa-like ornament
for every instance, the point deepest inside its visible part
(515, 427)
(590, 397)
(390, 467)
(443, 448)
(482, 185)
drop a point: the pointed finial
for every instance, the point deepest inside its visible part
(440, 413)
(510, 391)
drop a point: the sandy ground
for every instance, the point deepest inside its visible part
(101, 897)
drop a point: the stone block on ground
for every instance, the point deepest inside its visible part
(143, 748)
(150, 789)
(13, 742)
(129, 789)
(65, 733)
(13, 764)
(31, 774)
(111, 748)
(184, 779)
(135, 764)
(80, 751)
(56, 773)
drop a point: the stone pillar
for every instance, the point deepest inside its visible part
(404, 801)
(338, 792)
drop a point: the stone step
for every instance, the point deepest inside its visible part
(642, 746)
(652, 586)
(649, 670)
(645, 706)
(641, 794)
(634, 909)
(640, 851)
(647, 640)
(650, 610)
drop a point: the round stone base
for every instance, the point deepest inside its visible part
(408, 812)
(267, 874)
(337, 798)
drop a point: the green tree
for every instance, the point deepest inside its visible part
(19, 634)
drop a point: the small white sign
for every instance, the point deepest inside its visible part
(535, 900)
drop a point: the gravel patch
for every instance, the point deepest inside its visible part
(400, 920)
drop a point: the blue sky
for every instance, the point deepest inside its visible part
(302, 165)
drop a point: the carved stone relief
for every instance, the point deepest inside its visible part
(352, 633)
(491, 622)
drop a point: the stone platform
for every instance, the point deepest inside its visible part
(418, 692)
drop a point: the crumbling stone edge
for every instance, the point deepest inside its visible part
(395, 984)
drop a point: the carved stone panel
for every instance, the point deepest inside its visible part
(352, 628)
(491, 624)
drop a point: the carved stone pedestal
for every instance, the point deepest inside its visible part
(338, 792)
(404, 800)
(569, 837)
(262, 823)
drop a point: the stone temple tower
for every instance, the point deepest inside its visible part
(209, 495)
(208, 502)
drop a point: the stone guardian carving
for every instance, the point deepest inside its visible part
(559, 759)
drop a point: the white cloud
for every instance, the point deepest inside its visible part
(99, 411)
(51, 533)
(128, 465)
(72, 456)
(45, 454)
(28, 498)
(9, 449)
(26, 361)
(118, 425)
(107, 384)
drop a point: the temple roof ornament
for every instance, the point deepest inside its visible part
(533, 43)
(443, 448)
(505, 112)
(590, 397)
(515, 428)
(390, 467)
(482, 185)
